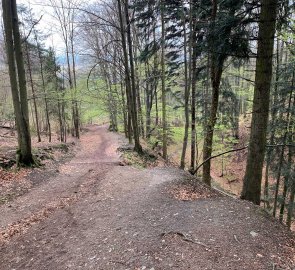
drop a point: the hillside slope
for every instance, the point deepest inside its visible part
(96, 214)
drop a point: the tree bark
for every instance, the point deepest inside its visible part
(163, 81)
(285, 137)
(186, 95)
(17, 81)
(33, 93)
(263, 75)
(216, 67)
(44, 91)
(273, 121)
(126, 66)
(216, 72)
(137, 146)
(193, 80)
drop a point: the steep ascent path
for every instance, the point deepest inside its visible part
(96, 214)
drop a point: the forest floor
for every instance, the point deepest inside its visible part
(91, 211)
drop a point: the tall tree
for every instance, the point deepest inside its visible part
(30, 73)
(228, 35)
(186, 89)
(263, 75)
(40, 56)
(193, 81)
(163, 80)
(126, 41)
(65, 12)
(134, 116)
(17, 81)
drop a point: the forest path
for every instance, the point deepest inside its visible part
(96, 214)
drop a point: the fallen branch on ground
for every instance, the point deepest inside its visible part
(218, 155)
(187, 239)
(236, 150)
(236, 238)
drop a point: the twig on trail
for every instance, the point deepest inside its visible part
(224, 193)
(119, 262)
(196, 242)
(236, 238)
(185, 238)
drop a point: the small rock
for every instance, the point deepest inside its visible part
(253, 234)
(259, 255)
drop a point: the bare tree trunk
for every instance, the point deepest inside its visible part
(291, 169)
(61, 103)
(65, 16)
(137, 146)
(206, 94)
(186, 96)
(123, 106)
(291, 205)
(216, 72)
(140, 114)
(137, 74)
(155, 84)
(163, 79)
(252, 179)
(272, 130)
(130, 79)
(148, 101)
(61, 130)
(285, 189)
(44, 90)
(126, 65)
(33, 93)
(216, 66)
(76, 109)
(292, 191)
(193, 87)
(17, 81)
(156, 107)
(287, 130)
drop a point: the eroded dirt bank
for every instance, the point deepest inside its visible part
(96, 214)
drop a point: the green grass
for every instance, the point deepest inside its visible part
(177, 134)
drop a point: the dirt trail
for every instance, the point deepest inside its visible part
(97, 149)
(100, 215)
